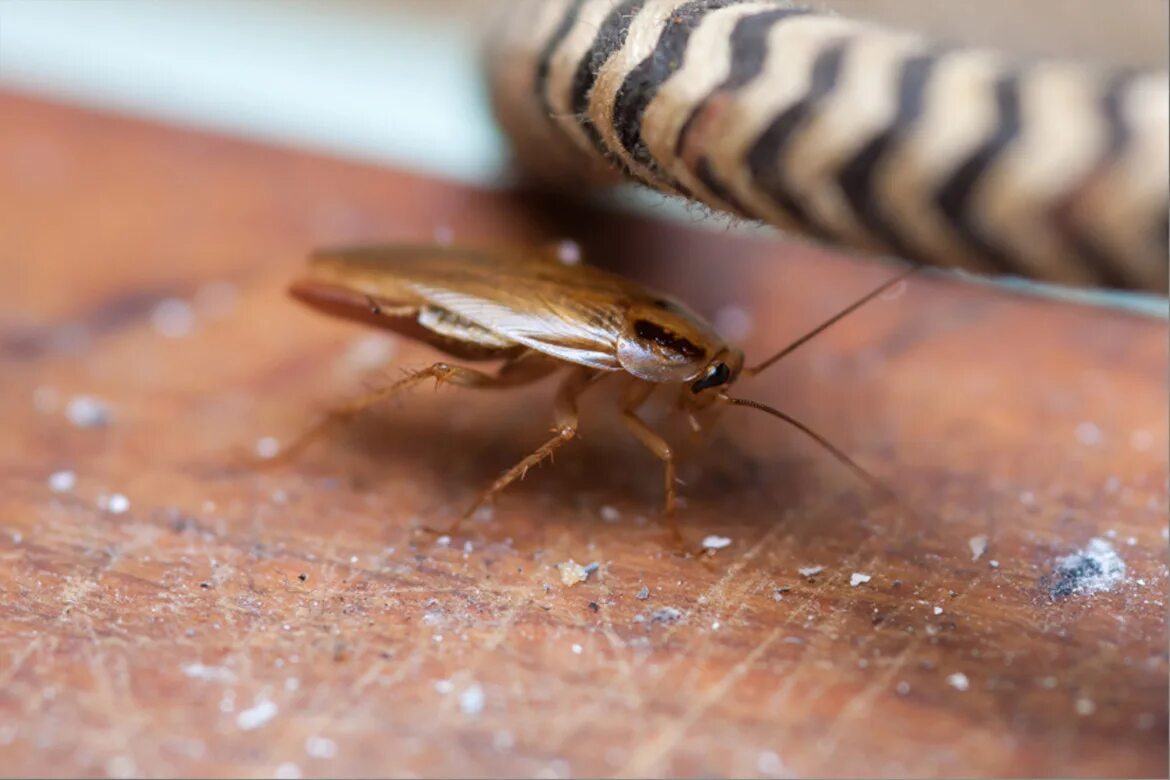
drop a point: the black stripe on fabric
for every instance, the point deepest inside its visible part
(544, 64)
(954, 196)
(610, 37)
(643, 82)
(764, 157)
(857, 176)
(748, 50)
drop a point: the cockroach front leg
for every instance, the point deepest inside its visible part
(567, 421)
(636, 395)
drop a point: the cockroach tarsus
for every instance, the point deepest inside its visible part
(538, 316)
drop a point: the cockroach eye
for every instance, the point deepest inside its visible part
(716, 375)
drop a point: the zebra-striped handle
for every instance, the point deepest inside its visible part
(847, 131)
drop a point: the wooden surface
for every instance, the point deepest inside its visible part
(292, 622)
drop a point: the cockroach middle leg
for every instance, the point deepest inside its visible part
(519, 371)
(636, 395)
(567, 421)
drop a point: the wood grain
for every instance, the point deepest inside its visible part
(233, 622)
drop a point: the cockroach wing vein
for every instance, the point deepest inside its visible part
(572, 331)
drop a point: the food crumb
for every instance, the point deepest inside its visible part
(1085, 707)
(577, 649)
(572, 573)
(1095, 568)
(568, 252)
(978, 545)
(610, 514)
(115, 504)
(959, 681)
(471, 700)
(777, 594)
(173, 318)
(256, 716)
(320, 747)
(62, 481)
(938, 610)
(857, 578)
(643, 594)
(810, 571)
(443, 540)
(715, 625)
(714, 542)
(85, 411)
(993, 563)
(666, 615)
(267, 447)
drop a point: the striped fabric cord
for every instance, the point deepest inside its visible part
(855, 134)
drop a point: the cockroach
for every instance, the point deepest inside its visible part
(539, 315)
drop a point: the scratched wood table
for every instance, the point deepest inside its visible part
(166, 612)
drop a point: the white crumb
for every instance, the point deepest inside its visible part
(714, 542)
(444, 686)
(938, 610)
(267, 446)
(568, 252)
(610, 514)
(471, 700)
(1085, 707)
(1089, 434)
(733, 323)
(577, 649)
(173, 318)
(200, 671)
(85, 411)
(371, 351)
(978, 545)
(993, 563)
(443, 541)
(572, 573)
(810, 571)
(959, 681)
(1093, 569)
(115, 504)
(857, 578)
(62, 481)
(257, 715)
(287, 771)
(320, 747)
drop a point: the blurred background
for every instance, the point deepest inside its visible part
(398, 81)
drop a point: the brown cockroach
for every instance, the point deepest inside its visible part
(538, 315)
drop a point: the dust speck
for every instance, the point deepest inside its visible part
(85, 411)
(471, 700)
(714, 542)
(902, 688)
(444, 235)
(769, 763)
(568, 252)
(643, 594)
(1085, 707)
(287, 771)
(938, 610)
(1089, 434)
(320, 747)
(666, 615)
(267, 446)
(444, 686)
(1093, 569)
(810, 571)
(733, 322)
(371, 351)
(200, 671)
(978, 545)
(62, 481)
(959, 681)
(577, 649)
(857, 578)
(115, 503)
(610, 514)
(573, 572)
(257, 715)
(173, 318)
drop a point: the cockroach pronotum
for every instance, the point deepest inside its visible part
(538, 315)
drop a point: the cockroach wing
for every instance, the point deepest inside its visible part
(573, 331)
